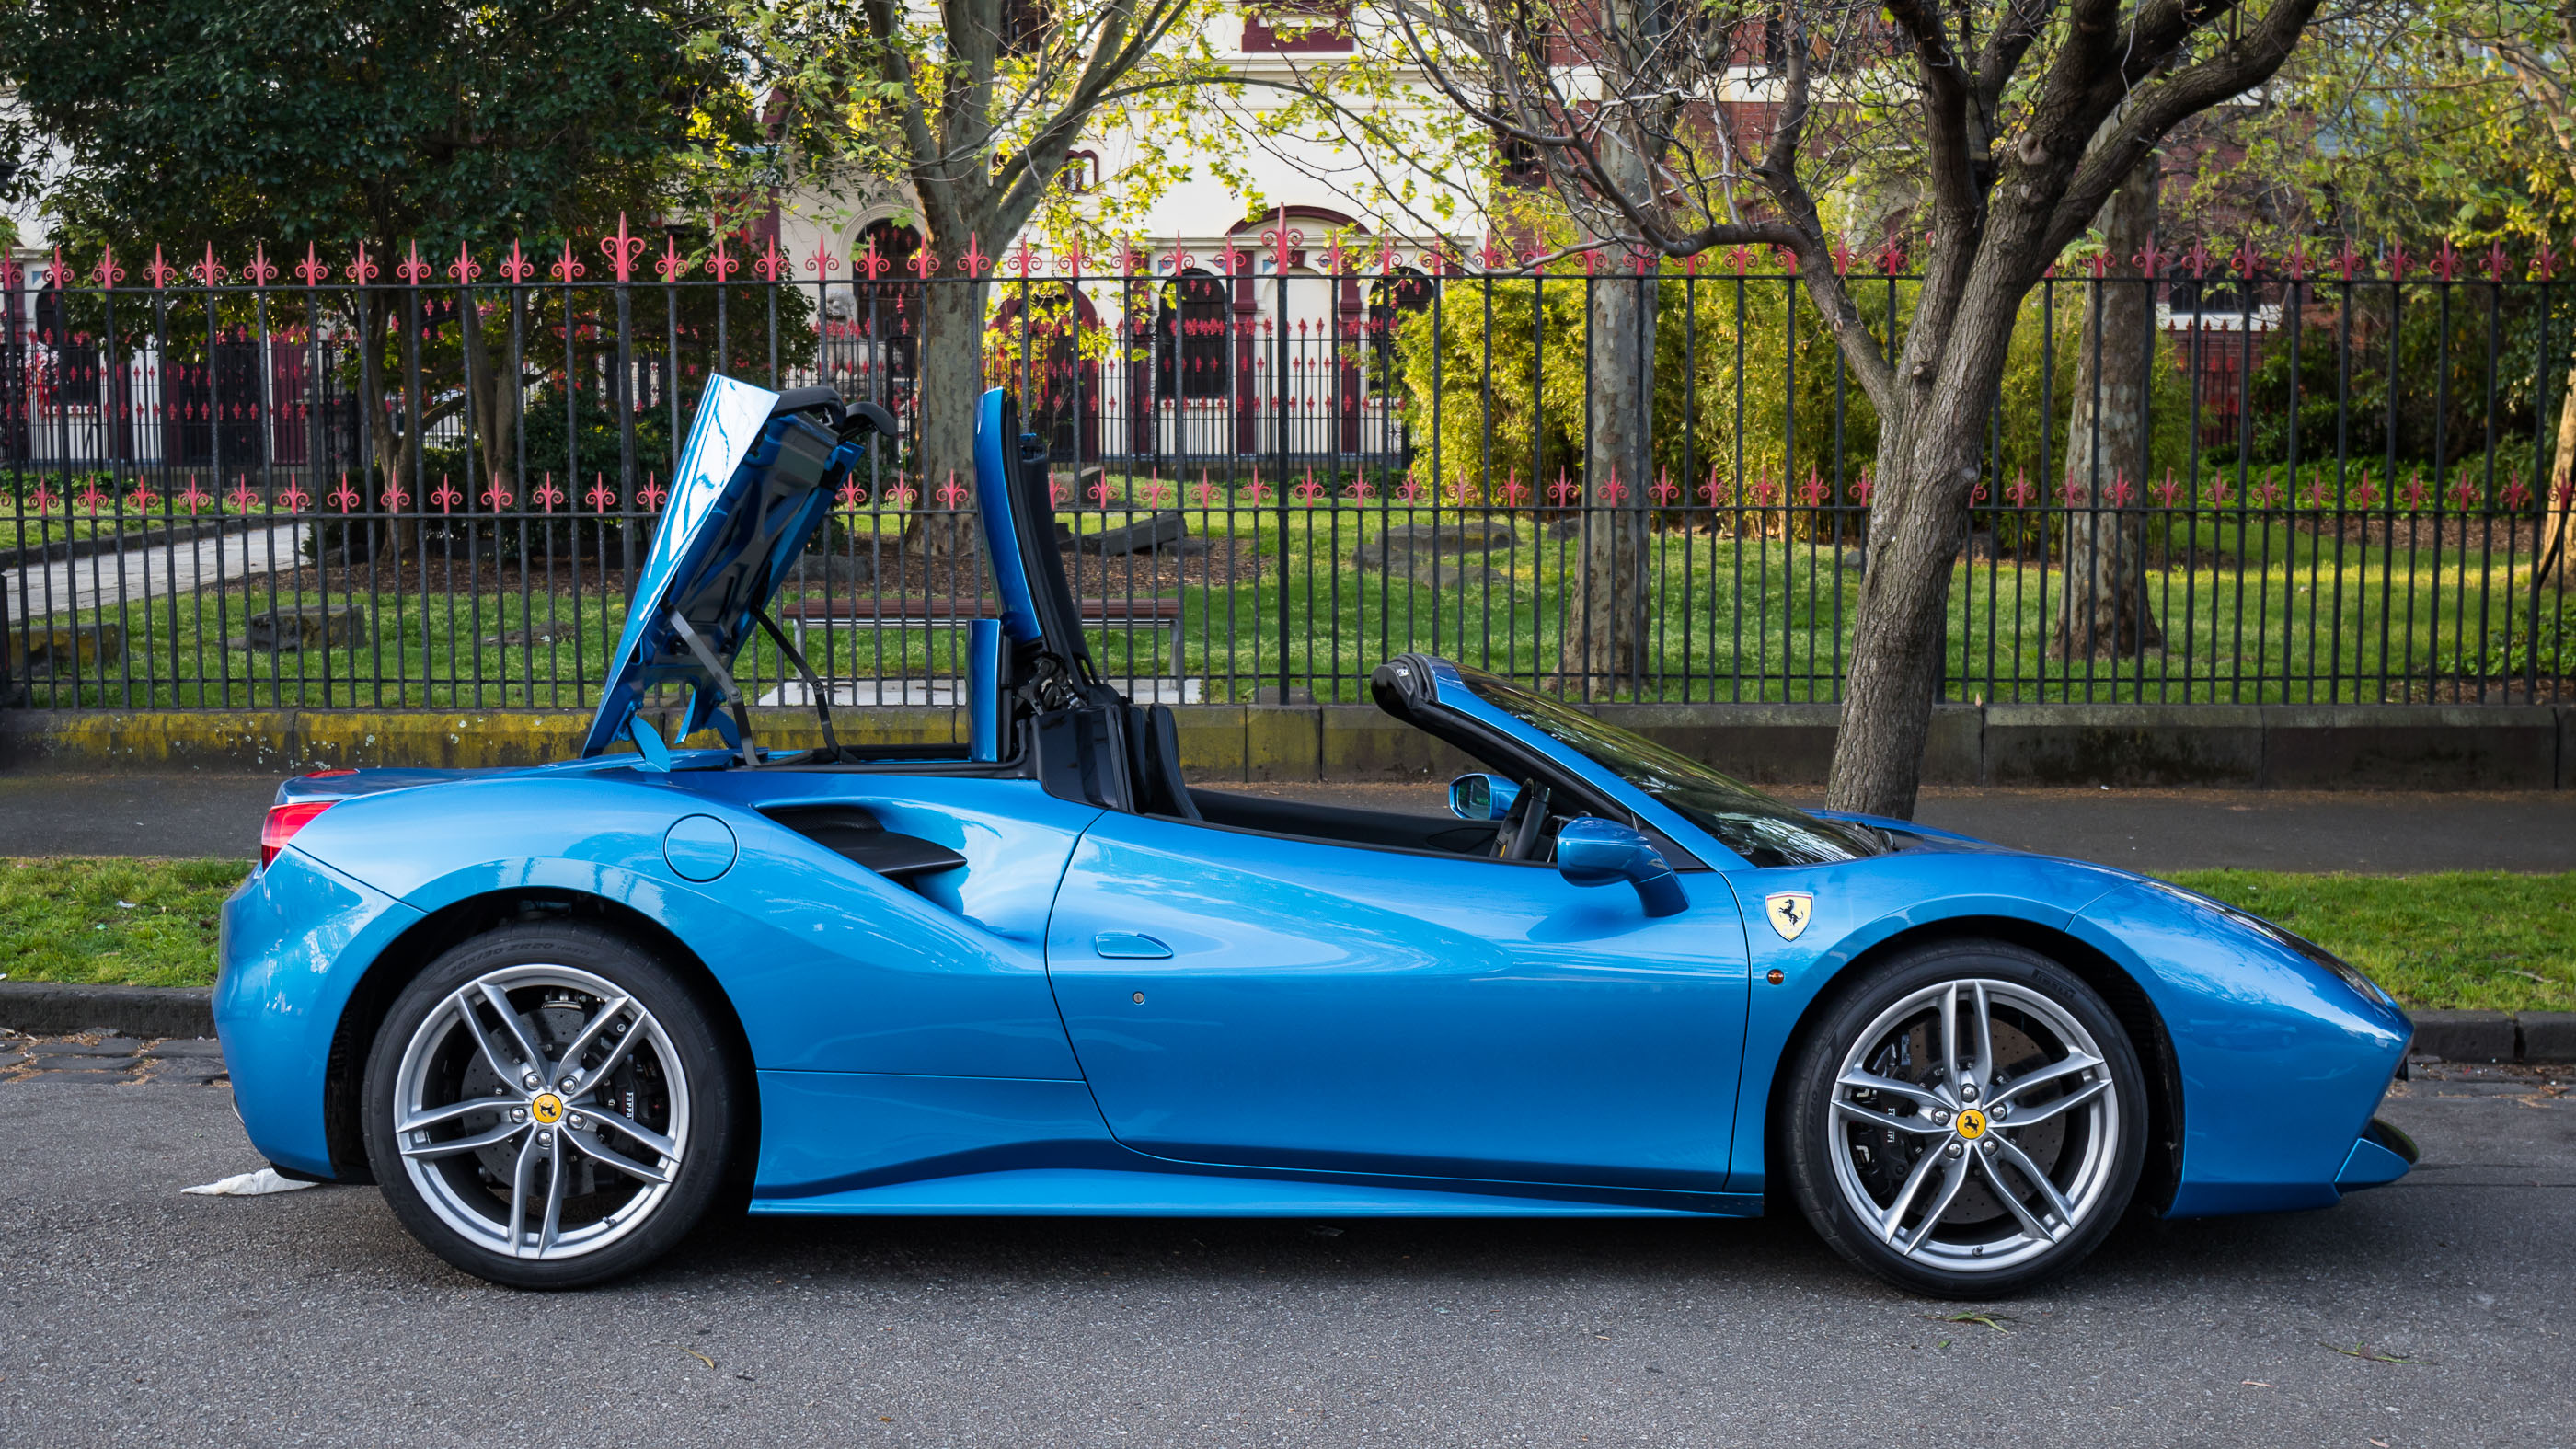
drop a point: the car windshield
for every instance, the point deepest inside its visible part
(1753, 825)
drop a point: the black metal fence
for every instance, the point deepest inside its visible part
(404, 483)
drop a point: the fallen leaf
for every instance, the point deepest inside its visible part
(2368, 1355)
(702, 1358)
(1995, 1321)
(2254, 1383)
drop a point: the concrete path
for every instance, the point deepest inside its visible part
(2431, 1312)
(154, 571)
(2151, 830)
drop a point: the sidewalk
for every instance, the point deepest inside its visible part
(2149, 830)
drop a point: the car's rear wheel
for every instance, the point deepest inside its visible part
(547, 1107)
(1965, 1119)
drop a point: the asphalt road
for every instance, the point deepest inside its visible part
(136, 1315)
(2152, 830)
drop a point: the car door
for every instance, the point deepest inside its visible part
(1251, 999)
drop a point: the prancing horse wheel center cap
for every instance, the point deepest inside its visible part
(1971, 1123)
(548, 1109)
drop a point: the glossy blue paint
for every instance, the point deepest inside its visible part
(2370, 1165)
(1091, 1192)
(698, 847)
(2282, 1063)
(1593, 852)
(1330, 1006)
(994, 450)
(1481, 796)
(1129, 946)
(295, 938)
(984, 702)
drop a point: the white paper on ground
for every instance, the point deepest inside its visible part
(249, 1184)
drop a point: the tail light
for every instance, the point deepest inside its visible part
(282, 823)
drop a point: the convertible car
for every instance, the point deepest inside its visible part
(560, 1014)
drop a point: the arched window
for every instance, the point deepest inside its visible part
(875, 325)
(1190, 337)
(1391, 300)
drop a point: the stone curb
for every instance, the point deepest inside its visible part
(166, 1011)
(56, 1007)
(2496, 1036)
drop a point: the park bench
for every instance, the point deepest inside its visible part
(1157, 613)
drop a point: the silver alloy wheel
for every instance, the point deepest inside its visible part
(541, 1111)
(1974, 1125)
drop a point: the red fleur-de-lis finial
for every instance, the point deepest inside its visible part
(344, 497)
(1073, 257)
(395, 498)
(2150, 261)
(311, 268)
(414, 271)
(2297, 261)
(669, 265)
(652, 494)
(1024, 260)
(108, 273)
(870, 260)
(601, 497)
(446, 497)
(2543, 263)
(720, 266)
(261, 270)
(548, 495)
(924, 262)
(362, 270)
(243, 498)
(196, 497)
(822, 263)
(951, 493)
(973, 262)
(2397, 260)
(160, 271)
(2348, 259)
(293, 498)
(464, 269)
(566, 267)
(2497, 263)
(2247, 261)
(622, 250)
(516, 266)
(2446, 262)
(771, 267)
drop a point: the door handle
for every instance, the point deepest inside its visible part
(1130, 946)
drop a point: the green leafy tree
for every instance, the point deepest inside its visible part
(377, 123)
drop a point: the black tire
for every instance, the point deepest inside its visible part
(659, 1059)
(1997, 1231)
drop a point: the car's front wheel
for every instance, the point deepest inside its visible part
(1965, 1119)
(547, 1106)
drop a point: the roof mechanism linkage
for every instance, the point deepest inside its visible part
(725, 687)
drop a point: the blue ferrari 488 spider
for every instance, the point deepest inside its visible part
(559, 1014)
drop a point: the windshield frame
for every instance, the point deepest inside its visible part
(1459, 690)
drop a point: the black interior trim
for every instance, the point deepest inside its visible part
(1160, 788)
(1345, 825)
(855, 834)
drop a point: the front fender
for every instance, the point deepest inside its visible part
(2281, 1062)
(1859, 905)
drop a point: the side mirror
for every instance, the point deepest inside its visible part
(1482, 797)
(1594, 852)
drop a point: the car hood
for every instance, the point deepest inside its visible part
(752, 485)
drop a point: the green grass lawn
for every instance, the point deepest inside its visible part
(2483, 939)
(2255, 611)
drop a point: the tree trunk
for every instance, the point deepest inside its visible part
(2558, 504)
(949, 388)
(1929, 453)
(1603, 650)
(2103, 607)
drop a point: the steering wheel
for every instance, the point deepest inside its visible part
(1519, 833)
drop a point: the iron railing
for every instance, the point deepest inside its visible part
(1301, 462)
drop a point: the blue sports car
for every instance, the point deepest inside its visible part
(560, 1014)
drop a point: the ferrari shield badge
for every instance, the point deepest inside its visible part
(1789, 911)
